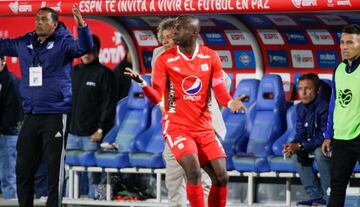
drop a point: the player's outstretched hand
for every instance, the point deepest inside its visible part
(133, 75)
(77, 16)
(236, 105)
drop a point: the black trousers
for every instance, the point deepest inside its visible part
(41, 136)
(343, 160)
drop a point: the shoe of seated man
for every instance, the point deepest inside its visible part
(315, 201)
(319, 202)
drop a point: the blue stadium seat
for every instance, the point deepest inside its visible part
(85, 158)
(134, 119)
(150, 144)
(357, 167)
(120, 112)
(269, 124)
(81, 158)
(276, 161)
(72, 157)
(238, 124)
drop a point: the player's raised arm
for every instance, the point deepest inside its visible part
(149, 92)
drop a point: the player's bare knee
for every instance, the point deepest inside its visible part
(222, 179)
(193, 175)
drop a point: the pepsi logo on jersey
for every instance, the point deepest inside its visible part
(191, 85)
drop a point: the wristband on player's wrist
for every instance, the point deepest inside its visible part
(229, 103)
(143, 84)
(161, 104)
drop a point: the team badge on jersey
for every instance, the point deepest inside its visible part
(204, 67)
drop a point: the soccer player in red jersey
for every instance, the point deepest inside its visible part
(185, 74)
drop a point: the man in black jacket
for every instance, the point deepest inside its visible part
(10, 116)
(93, 111)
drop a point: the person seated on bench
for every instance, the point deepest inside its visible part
(312, 115)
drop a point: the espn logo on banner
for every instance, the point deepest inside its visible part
(270, 37)
(145, 38)
(225, 57)
(320, 37)
(236, 37)
(302, 58)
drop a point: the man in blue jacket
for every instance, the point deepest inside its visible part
(311, 123)
(45, 57)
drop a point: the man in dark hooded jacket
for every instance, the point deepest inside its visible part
(45, 57)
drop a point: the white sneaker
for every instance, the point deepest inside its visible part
(43, 199)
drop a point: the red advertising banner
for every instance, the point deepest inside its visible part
(130, 7)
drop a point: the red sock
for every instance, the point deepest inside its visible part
(217, 196)
(195, 194)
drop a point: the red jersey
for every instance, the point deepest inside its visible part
(185, 83)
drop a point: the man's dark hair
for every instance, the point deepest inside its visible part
(54, 14)
(97, 44)
(2, 58)
(188, 19)
(313, 77)
(351, 29)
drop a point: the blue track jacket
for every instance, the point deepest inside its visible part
(55, 56)
(311, 123)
